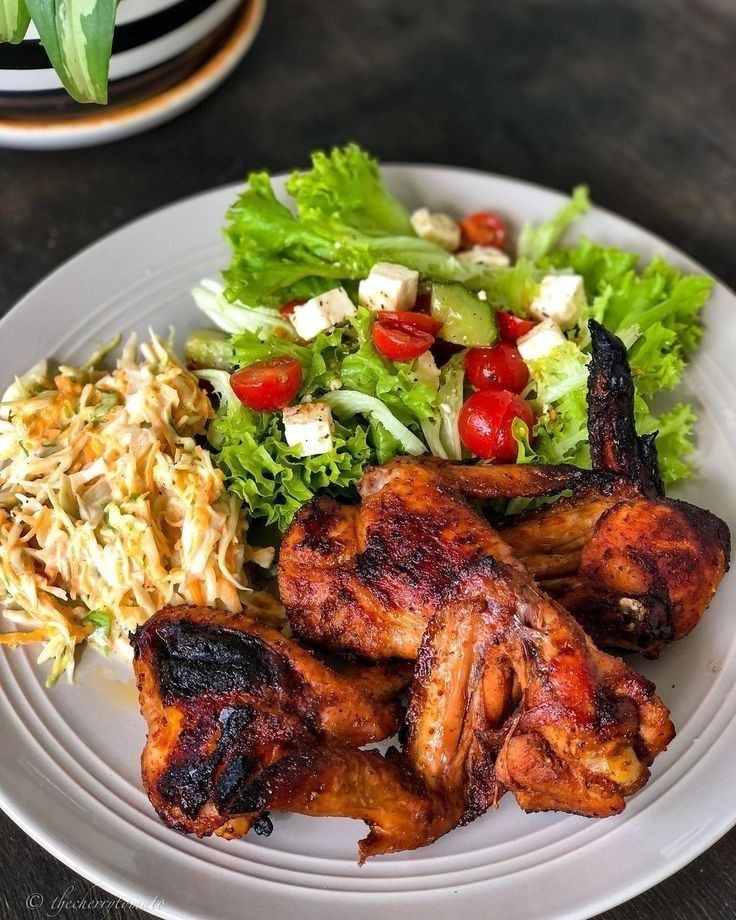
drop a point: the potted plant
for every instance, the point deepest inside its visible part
(77, 38)
(145, 59)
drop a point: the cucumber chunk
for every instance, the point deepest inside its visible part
(209, 348)
(466, 320)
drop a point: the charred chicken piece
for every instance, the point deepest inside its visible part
(510, 694)
(637, 570)
(338, 780)
(242, 720)
(367, 578)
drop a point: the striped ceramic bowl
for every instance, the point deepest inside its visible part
(157, 44)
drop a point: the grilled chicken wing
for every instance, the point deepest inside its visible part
(367, 578)
(637, 569)
(242, 720)
(510, 694)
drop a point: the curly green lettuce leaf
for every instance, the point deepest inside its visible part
(655, 310)
(536, 240)
(14, 21)
(273, 479)
(320, 359)
(344, 190)
(658, 309)
(379, 407)
(347, 404)
(278, 256)
(77, 36)
(400, 385)
(559, 381)
(674, 440)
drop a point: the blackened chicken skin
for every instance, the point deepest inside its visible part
(510, 694)
(367, 578)
(637, 570)
(242, 720)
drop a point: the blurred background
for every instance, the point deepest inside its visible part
(634, 97)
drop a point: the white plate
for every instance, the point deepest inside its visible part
(69, 756)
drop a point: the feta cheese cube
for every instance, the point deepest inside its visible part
(309, 426)
(322, 313)
(541, 340)
(485, 257)
(560, 298)
(389, 287)
(436, 227)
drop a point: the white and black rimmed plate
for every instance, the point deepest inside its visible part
(69, 756)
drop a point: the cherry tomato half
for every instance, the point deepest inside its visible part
(408, 320)
(288, 308)
(400, 344)
(499, 367)
(511, 327)
(268, 385)
(483, 229)
(485, 424)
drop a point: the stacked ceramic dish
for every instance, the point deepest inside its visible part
(159, 47)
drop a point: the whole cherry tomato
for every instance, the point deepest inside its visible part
(483, 229)
(486, 421)
(407, 319)
(268, 385)
(400, 344)
(511, 327)
(499, 367)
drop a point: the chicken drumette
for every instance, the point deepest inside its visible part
(636, 569)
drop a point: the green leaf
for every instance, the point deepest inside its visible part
(397, 384)
(344, 188)
(273, 479)
(77, 36)
(441, 432)
(278, 256)
(14, 21)
(349, 403)
(265, 322)
(536, 240)
(100, 619)
(380, 407)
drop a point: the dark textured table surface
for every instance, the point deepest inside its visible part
(634, 97)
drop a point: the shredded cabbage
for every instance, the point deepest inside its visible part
(109, 509)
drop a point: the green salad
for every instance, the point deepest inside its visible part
(349, 330)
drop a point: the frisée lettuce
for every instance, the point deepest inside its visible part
(345, 222)
(379, 408)
(340, 222)
(655, 311)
